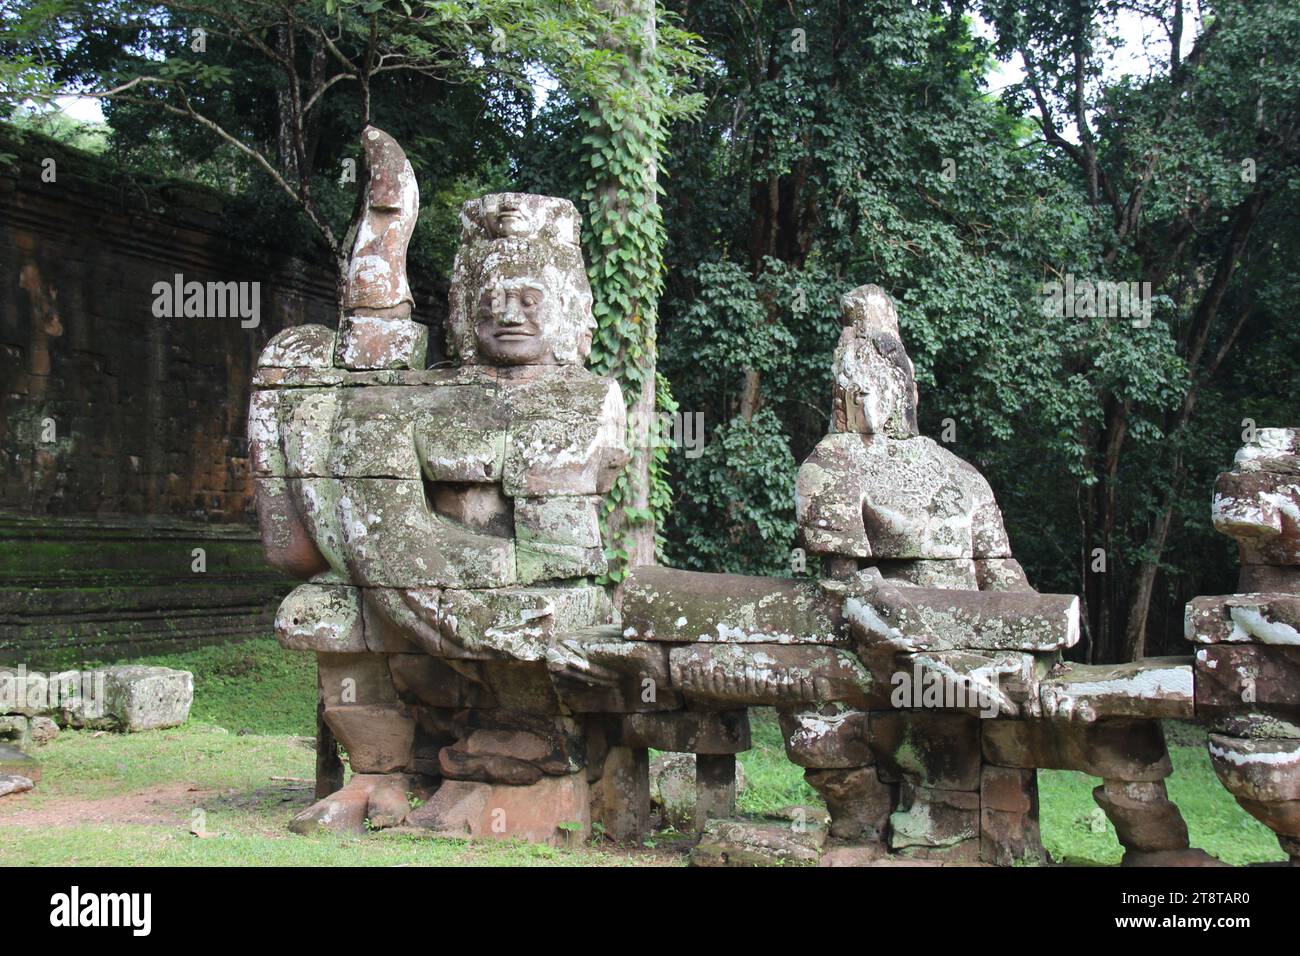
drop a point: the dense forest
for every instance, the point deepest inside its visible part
(798, 150)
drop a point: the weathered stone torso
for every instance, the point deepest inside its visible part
(896, 499)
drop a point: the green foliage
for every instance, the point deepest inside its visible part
(736, 507)
(876, 156)
(255, 686)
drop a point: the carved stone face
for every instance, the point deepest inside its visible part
(508, 216)
(519, 293)
(511, 313)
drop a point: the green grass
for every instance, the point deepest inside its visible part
(254, 712)
(1075, 830)
(255, 686)
(771, 780)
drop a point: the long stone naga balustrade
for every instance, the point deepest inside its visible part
(447, 525)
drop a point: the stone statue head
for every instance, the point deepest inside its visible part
(519, 291)
(873, 383)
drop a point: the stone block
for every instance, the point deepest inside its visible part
(265, 456)
(307, 430)
(14, 783)
(520, 623)
(420, 678)
(566, 434)
(663, 604)
(378, 738)
(16, 730)
(930, 817)
(936, 749)
(375, 342)
(372, 435)
(392, 539)
(700, 732)
(715, 788)
(302, 346)
(1269, 618)
(829, 736)
(911, 619)
(1267, 771)
(620, 799)
(859, 803)
(132, 697)
(355, 679)
(1143, 817)
(473, 452)
(1231, 678)
(1117, 749)
(287, 540)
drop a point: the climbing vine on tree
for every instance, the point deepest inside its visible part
(625, 119)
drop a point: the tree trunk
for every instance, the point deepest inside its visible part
(639, 537)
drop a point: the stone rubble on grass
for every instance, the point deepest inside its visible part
(125, 697)
(43, 730)
(741, 843)
(16, 763)
(14, 783)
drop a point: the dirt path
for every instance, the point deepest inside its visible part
(167, 804)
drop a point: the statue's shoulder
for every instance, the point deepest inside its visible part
(962, 470)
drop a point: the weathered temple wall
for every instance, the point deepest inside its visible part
(122, 434)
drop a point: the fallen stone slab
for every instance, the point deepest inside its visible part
(369, 801)
(14, 783)
(13, 762)
(554, 810)
(741, 843)
(1155, 687)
